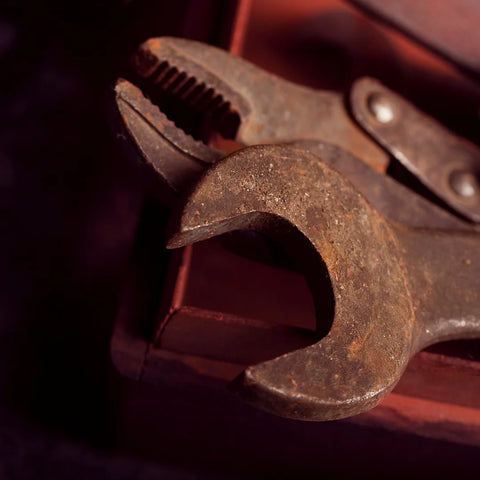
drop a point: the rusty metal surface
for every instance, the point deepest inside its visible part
(392, 199)
(157, 140)
(429, 400)
(191, 95)
(448, 165)
(392, 289)
(362, 358)
(205, 291)
(208, 92)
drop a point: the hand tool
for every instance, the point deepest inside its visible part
(186, 93)
(396, 289)
(385, 254)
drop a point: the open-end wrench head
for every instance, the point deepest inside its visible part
(292, 196)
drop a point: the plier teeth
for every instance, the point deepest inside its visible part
(175, 155)
(185, 96)
(173, 111)
(258, 107)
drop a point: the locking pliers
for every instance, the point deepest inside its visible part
(186, 94)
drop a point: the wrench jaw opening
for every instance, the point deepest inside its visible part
(266, 188)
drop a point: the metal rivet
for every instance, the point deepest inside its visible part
(465, 184)
(380, 107)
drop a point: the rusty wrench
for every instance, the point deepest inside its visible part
(396, 289)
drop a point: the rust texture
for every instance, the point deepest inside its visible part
(188, 96)
(448, 165)
(209, 93)
(374, 266)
